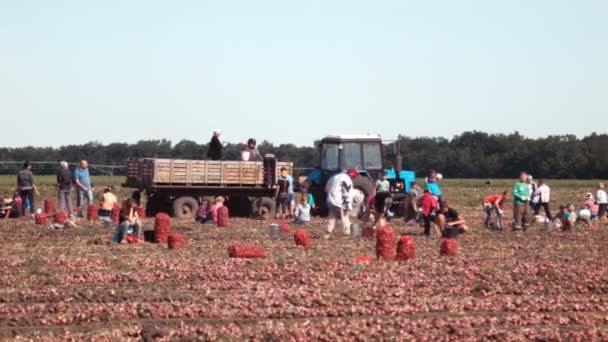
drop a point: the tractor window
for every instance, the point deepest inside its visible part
(330, 157)
(352, 156)
(372, 154)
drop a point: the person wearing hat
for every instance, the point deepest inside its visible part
(521, 197)
(216, 147)
(252, 148)
(340, 200)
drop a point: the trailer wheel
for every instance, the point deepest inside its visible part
(264, 208)
(185, 207)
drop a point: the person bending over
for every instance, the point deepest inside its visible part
(494, 204)
(449, 217)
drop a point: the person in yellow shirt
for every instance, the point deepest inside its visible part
(107, 202)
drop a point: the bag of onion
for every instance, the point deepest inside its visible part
(406, 248)
(246, 251)
(449, 247)
(302, 238)
(385, 243)
(162, 227)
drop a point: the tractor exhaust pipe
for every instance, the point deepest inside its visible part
(398, 159)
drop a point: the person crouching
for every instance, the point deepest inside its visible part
(129, 219)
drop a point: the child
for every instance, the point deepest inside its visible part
(302, 215)
(203, 214)
(129, 219)
(566, 219)
(311, 202)
(219, 202)
(6, 207)
(107, 202)
(432, 184)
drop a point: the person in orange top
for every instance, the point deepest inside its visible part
(494, 204)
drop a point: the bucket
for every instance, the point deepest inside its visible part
(451, 232)
(245, 155)
(355, 230)
(274, 231)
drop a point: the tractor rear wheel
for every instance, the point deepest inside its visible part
(363, 188)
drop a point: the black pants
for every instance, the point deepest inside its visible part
(28, 195)
(545, 206)
(428, 220)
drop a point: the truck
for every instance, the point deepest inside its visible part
(179, 186)
(364, 152)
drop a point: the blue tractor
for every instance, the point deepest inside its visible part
(366, 154)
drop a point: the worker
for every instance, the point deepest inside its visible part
(340, 200)
(494, 204)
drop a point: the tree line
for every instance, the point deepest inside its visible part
(468, 155)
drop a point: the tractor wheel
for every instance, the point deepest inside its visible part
(263, 207)
(363, 188)
(185, 207)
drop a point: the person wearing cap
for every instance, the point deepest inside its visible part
(254, 152)
(216, 147)
(521, 196)
(566, 218)
(340, 200)
(543, 192)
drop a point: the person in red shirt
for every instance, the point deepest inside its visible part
(430, 207)
(494, 204)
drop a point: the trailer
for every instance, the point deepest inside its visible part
(179, 186)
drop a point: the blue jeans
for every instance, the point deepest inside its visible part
(80, 196)
(65, 202)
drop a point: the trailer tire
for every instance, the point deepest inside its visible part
(185, 207)
(263, 207)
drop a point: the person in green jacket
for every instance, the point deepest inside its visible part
(521, 197)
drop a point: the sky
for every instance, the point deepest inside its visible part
(293, 71)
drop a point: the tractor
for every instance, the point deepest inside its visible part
(366, 154)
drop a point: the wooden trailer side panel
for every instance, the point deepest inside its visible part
(203, 172)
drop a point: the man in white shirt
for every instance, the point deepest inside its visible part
(543, 196)
(602, 200)
(340, 200)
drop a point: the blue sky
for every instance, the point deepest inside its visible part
(293, 71)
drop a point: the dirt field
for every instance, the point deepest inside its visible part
(74, 284)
